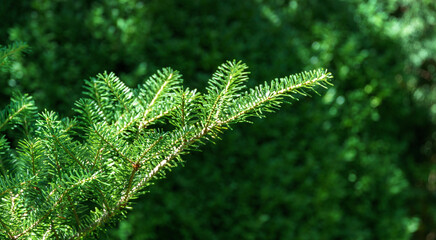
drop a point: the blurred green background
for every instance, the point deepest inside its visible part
(357, 162)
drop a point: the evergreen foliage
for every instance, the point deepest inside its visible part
(10, 53)
(360, 164)
(68, 177)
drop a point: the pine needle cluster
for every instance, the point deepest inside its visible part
(66, 178)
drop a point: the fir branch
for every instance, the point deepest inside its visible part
(10, 53)
(98, 129)
(122, 93)
(119, 151)
(60, 142)
(9, 183)
(223, 87)
(150, 175)
(20, 108)
(98, 96)
(157, 88)
(56, 204)
(268, 96)
(139, 161)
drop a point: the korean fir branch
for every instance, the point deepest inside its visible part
(224, 104)
(84, 172)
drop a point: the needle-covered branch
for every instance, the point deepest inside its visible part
(72, 176)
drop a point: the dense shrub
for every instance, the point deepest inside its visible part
(353, 164)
